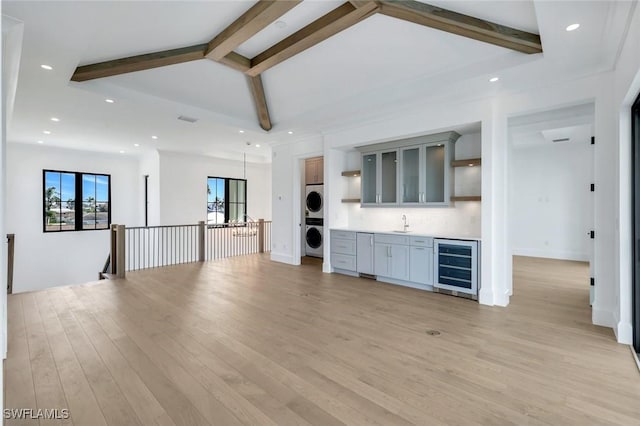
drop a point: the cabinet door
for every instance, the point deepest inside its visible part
(364, 253)
(434, 174)
(388, 177)
(421, 265)
(400, 262)
(309, 172)
(320, 170)
(369, 178)
(410, 192)
(381, 260)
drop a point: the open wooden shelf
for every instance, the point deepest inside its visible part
(466, 163)
(466, 198)
(351, 200)
(351, 173)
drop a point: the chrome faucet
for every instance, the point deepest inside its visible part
(405, 225)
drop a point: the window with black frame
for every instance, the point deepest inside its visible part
(75, 201)
(226, 200)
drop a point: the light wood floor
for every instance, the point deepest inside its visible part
(248, 341)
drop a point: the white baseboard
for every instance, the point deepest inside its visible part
(284, 258)
(551, 254)
(635, 357)
(603, 318)
(624, 333)
(485, 296)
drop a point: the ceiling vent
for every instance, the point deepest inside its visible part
(187, 119)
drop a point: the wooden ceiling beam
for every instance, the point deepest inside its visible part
(236, 61)
(260, 100)
(319, 30)
(360, 3)
(246, 26)
(139, 63)
(463, 25)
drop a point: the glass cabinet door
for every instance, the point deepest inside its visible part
(411, 175)
(389, 177)
(369, 177)
(434, 178)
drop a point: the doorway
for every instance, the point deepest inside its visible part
(551, 204)
(635, 146)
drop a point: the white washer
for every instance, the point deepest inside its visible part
(314, 238)
(314, 201)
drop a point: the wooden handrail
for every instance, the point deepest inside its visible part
(10, 257)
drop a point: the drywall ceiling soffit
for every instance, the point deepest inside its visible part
(261, 14)
(543, 127)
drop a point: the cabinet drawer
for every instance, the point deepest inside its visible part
(346, 235)
(343, 261)
(422, 241)
(392, 239)
(342, 246)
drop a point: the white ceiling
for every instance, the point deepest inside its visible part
(379, 62)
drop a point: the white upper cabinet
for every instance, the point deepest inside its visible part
(409, 172)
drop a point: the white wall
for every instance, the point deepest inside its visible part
(626, 87)
(183, 186)
(551, 205)
(45, 260)
(150, 165)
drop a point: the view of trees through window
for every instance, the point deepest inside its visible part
(226, 200)
(65, 191)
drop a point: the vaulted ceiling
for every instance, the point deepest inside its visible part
(380, 61)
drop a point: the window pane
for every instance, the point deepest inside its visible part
(233, 190)
(102, 216)
(233, 212)
(241, 212)
(67, 201)
(52, 186)
(215, 201)
(88, 202)
(242, 191)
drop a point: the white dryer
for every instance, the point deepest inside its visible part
(314, 201)
(314, 237)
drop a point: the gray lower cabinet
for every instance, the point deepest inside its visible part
(343, 250)
(392, 256)
(421, 260)
(364, 253)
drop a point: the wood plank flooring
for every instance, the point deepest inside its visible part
(246, 341)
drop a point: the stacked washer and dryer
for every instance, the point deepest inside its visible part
(314, 220)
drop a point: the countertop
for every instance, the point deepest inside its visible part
(448, 236)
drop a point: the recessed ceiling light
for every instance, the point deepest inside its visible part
(136, 145)
(257, 145)
(573, 27)
(55, 119)
(46, 132)
(470, 165)
(121, 152)
(40, 142)
(290, 132)
(280, 24)
(46, 67)
(240, 131)
(109, 101)
(154, 137)
(494, 79)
